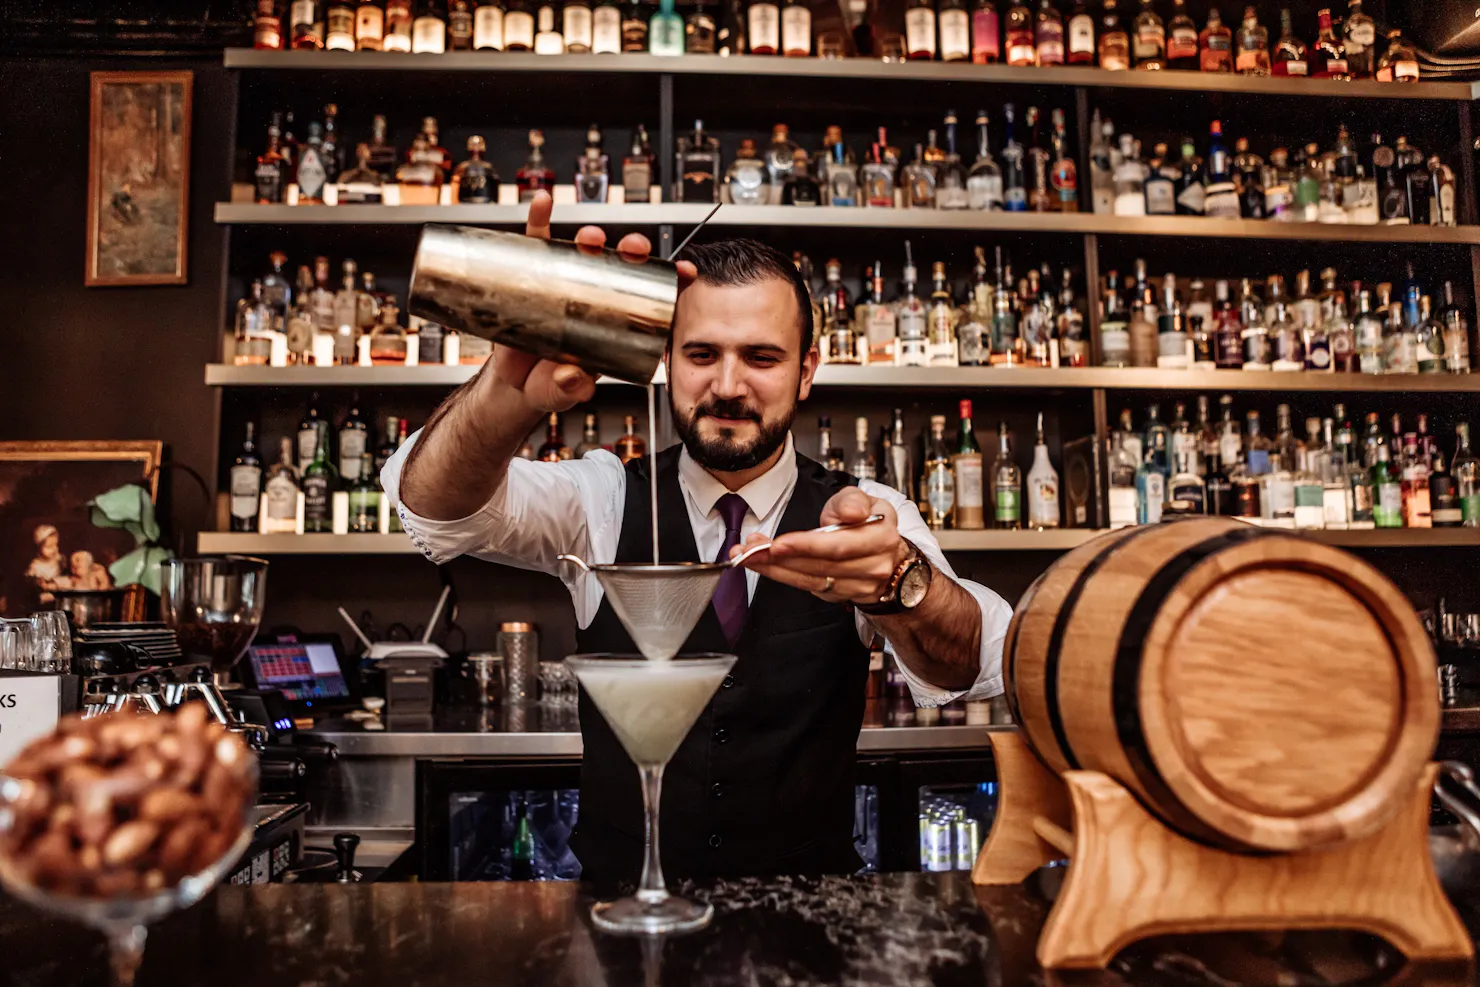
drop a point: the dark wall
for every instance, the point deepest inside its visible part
(106, 363)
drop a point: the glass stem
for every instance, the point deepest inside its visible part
(652, 888)
(126, 952)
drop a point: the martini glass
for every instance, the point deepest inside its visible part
(214, 606)
(650, 706)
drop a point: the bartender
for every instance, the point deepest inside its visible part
(763, 784)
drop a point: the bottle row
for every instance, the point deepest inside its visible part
(999, 319)
(1378, 183)
(1332, 478)
(981, 31)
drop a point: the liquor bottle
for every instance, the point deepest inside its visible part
(917, 182)
(1253, 45)
(1413, 467)
(1074, 348)
(937, 479)
(554, 449)
(308, 434)
(339, 26)
(763, 20)
(476, 179)
(1220, 197)
(1456, 334)
(635, 27)
(1215, 45)
(1181, 39)
(974, 333)
(1228, 346)
(1078, 31)
(1387, 501)
(1161, 184)
(1150, 40)
(318, 487)
(576, 26)
(1063, 174)
(1248, 180)
(547, 37)
(281, 488)
(1417, 182)
(1007, 482)
(1328, 54)
(606, 28)
(800, 188)
(1048, 34)
(629, 444)
(898, 465)
(986, 47)
(1285, 340)
(1257, 345)
(1115, 340)
(748, 181)
(911, 315)
(267, 26)
(1466, 472)
(1142, 328)
(1151, 481)
(637, 168)
(534, 175)
(984, 181)
(1043, 486)
(593, 169)
(862, 466)
(699, 30)
(1115, 44)
(1171, 328)
(1428, 340)
(429, 28)
(246, 484)
(354, 440)
(277, 290)
(1360, 35)
(1015, 192)
(878, 320)
(460, 25)
(388, 445)
(1101, 176)
(397, 25)
(1184, 484)
(951, 191)
(919, 30)
(1123, 475)
(488, 26)
(940, 347)
(1444, 502)
(1129, 179)
(364, 499)
(1191, 188)
(665, 30)
(254, 329)
(1289, 56)
(311, 172)
(270, 175)
(824, 438)
(1392, 191)
(1021, 45)
(953, 28)
(1399, 63)
(306, 24)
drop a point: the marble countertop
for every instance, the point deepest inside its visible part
(908, 929)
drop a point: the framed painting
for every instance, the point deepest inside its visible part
(48, 542)
(138, 178)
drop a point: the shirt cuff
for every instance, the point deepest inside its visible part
(995, 616)
(439, 541)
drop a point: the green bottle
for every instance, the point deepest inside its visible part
(364, 499)
(1387, 500)
(318, 487)
(521, 863)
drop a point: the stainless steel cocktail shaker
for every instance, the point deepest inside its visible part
(604, 313)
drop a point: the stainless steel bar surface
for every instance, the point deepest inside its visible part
(598, 310)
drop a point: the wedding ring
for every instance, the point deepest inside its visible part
(827, 586)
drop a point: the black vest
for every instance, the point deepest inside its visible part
(763, 784)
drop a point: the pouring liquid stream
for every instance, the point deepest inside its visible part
(653, 463)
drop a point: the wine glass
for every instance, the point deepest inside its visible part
(214, 606)
(650, 706)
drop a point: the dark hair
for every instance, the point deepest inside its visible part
(741, 261)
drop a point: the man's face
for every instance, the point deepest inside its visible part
(735, 373)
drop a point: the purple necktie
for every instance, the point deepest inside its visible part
(731, 601)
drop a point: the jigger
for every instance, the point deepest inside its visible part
(598, 310)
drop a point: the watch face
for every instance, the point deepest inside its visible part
(914, 586)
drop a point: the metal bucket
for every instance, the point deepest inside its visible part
(599, 311)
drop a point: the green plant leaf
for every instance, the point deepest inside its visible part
(140, 567)
(128, 507)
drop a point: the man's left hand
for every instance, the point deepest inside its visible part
(852, 566)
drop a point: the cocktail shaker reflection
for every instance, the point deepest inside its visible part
(606, 314)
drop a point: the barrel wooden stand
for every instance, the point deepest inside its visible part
(1132, 877)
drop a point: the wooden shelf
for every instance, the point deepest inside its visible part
(819, 68)
(791, 217)
(1059, 540)
(922, 378)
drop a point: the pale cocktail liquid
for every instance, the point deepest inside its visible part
(652, 708)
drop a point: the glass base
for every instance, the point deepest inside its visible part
(634, 917)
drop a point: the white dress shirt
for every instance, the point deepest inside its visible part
(543, 510)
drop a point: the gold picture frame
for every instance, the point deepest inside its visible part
(47, 539)
(138, 178)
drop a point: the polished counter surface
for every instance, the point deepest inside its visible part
(915, 929)
(542, 731)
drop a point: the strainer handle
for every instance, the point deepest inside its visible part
(575, 559)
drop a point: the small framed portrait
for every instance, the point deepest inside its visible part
(48, 542)
(138, 178)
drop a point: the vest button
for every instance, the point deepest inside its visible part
(722, 736)
(715, 790)
(715, 841)
(729, 682)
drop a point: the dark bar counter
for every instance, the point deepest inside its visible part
(914, 929)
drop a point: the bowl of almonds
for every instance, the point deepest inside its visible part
(117, 820)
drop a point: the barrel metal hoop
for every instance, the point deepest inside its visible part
(1009, 652)
(1126, 684)
(1056, 642)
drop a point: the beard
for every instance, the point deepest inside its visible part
(726, 452)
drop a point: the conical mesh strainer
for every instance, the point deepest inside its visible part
(660, 604)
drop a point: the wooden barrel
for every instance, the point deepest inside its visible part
(1256, 690)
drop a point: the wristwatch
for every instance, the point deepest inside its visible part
(906, 589)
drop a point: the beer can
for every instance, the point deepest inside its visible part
(938, 838)
(968, 842)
